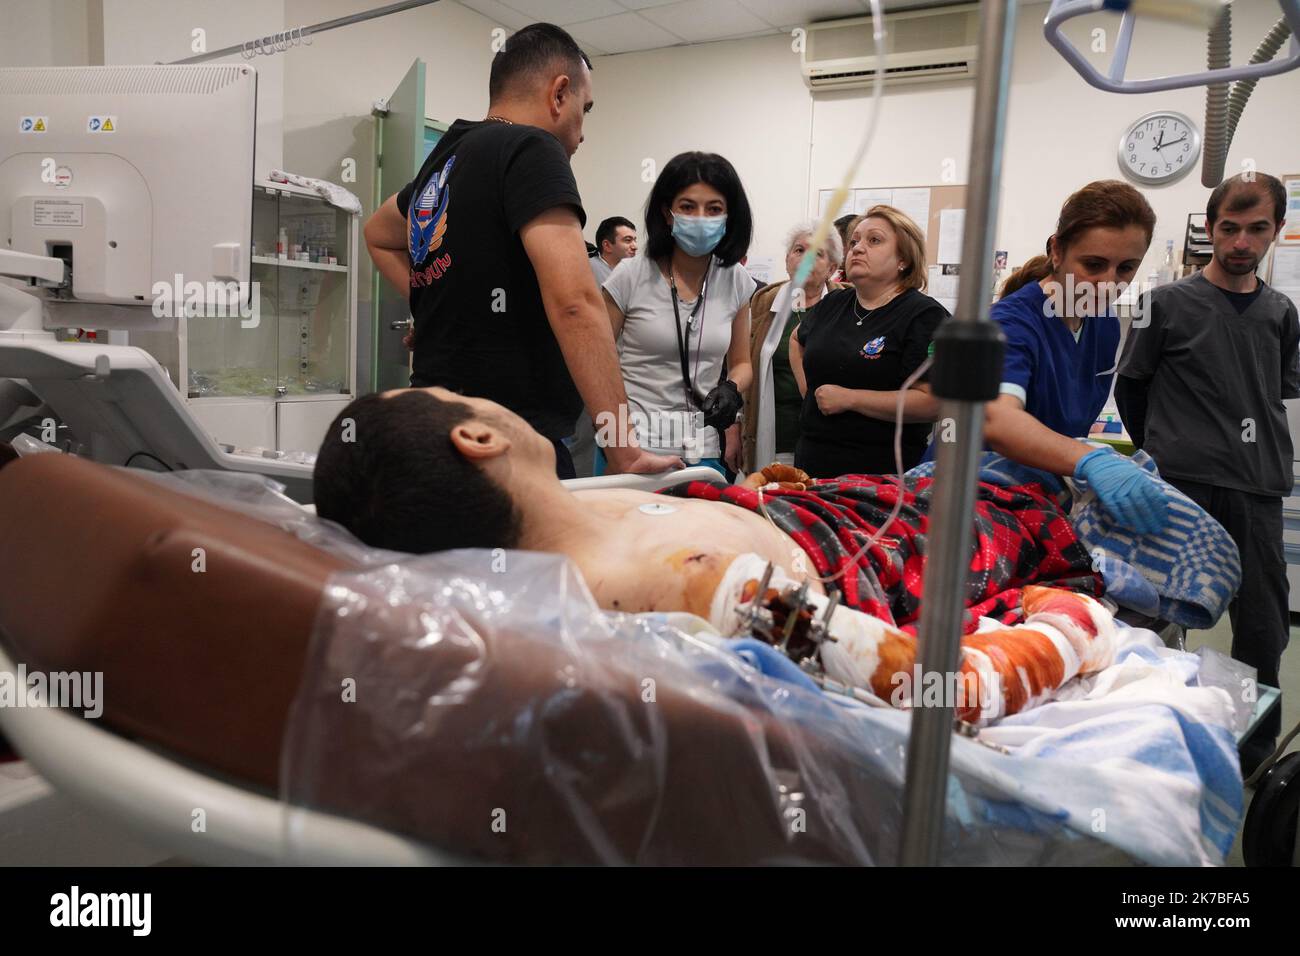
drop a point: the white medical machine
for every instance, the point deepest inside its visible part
(123, 190)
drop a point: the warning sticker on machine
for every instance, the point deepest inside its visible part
(56, 212)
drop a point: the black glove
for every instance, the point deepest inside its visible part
(722, 405)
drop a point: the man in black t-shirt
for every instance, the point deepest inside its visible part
(1205, 370)
(487, 243)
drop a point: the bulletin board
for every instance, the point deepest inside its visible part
(941, 198)
(926, 205)
(1291, 231)
(1284, 267)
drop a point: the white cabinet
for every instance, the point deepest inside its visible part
(274, 377)
(301, 425)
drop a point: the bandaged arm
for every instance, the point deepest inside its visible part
(1002, 671)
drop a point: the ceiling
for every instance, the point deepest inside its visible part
(623, 26)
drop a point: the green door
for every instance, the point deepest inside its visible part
(401, 153)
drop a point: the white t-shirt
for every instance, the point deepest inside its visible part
(648, 353)
(600, 269)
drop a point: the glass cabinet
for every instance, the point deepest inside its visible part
(299, 338)
(273, 378)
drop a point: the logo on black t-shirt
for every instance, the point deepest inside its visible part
(874, 348)
(428, 218)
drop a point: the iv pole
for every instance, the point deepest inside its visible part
(967, 372)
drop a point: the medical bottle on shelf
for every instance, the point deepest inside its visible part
(1169, 271)
(282, 244)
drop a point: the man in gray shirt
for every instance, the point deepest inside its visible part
(1200, 388)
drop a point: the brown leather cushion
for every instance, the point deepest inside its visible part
(97, 574)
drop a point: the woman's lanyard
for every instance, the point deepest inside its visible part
(691, 395)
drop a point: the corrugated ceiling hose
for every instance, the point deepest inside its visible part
(1225, 102)
(1219, 56)
(1242, 89)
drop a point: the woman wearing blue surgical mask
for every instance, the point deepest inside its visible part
(680, 312)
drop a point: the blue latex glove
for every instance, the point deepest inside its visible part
(1130, 496)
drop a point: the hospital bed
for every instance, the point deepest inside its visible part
(200, 671)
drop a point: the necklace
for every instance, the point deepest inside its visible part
(499, 119)
(862, 318)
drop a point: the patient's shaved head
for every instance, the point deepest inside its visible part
(389, 472)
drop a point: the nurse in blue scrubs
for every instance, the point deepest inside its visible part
(1062, 342)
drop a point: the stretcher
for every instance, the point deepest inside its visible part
(188, 760)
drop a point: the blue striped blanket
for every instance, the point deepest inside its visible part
(1187, 573)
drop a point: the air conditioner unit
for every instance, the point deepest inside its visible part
(920, 45)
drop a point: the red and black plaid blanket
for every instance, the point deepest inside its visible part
(1022, 537)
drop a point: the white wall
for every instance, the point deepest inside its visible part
(746, 100)
(331, 86)
(741, 98)
(50, 32)
(161, 31)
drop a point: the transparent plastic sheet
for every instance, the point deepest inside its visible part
(263, 498)
(26, 445)
(480, 703)
(1219, 670)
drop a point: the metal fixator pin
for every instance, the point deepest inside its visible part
(833, 602)
(758, 595)
(793, 616)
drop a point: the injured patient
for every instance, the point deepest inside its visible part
(422, 470)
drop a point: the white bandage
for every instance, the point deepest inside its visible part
(850, 659)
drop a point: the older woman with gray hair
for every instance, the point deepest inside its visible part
(770, 429)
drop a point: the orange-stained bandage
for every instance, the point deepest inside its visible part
(1003, 671)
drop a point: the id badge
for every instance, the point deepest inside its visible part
(691, 440)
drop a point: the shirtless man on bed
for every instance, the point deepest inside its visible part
(423, 470)
(429, 470)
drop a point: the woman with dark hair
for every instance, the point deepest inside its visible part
(1062, 341)
(680, 312)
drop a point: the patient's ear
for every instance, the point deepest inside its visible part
(478, 441)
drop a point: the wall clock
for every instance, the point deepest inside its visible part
(1161, 147)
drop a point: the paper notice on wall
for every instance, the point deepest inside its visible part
(1291, 231)
(915, 203)
(942, 286)
(1286, 268)
(824, 200)
(761, 267)
(864, 199)
(951, 224)
(1285, 276)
